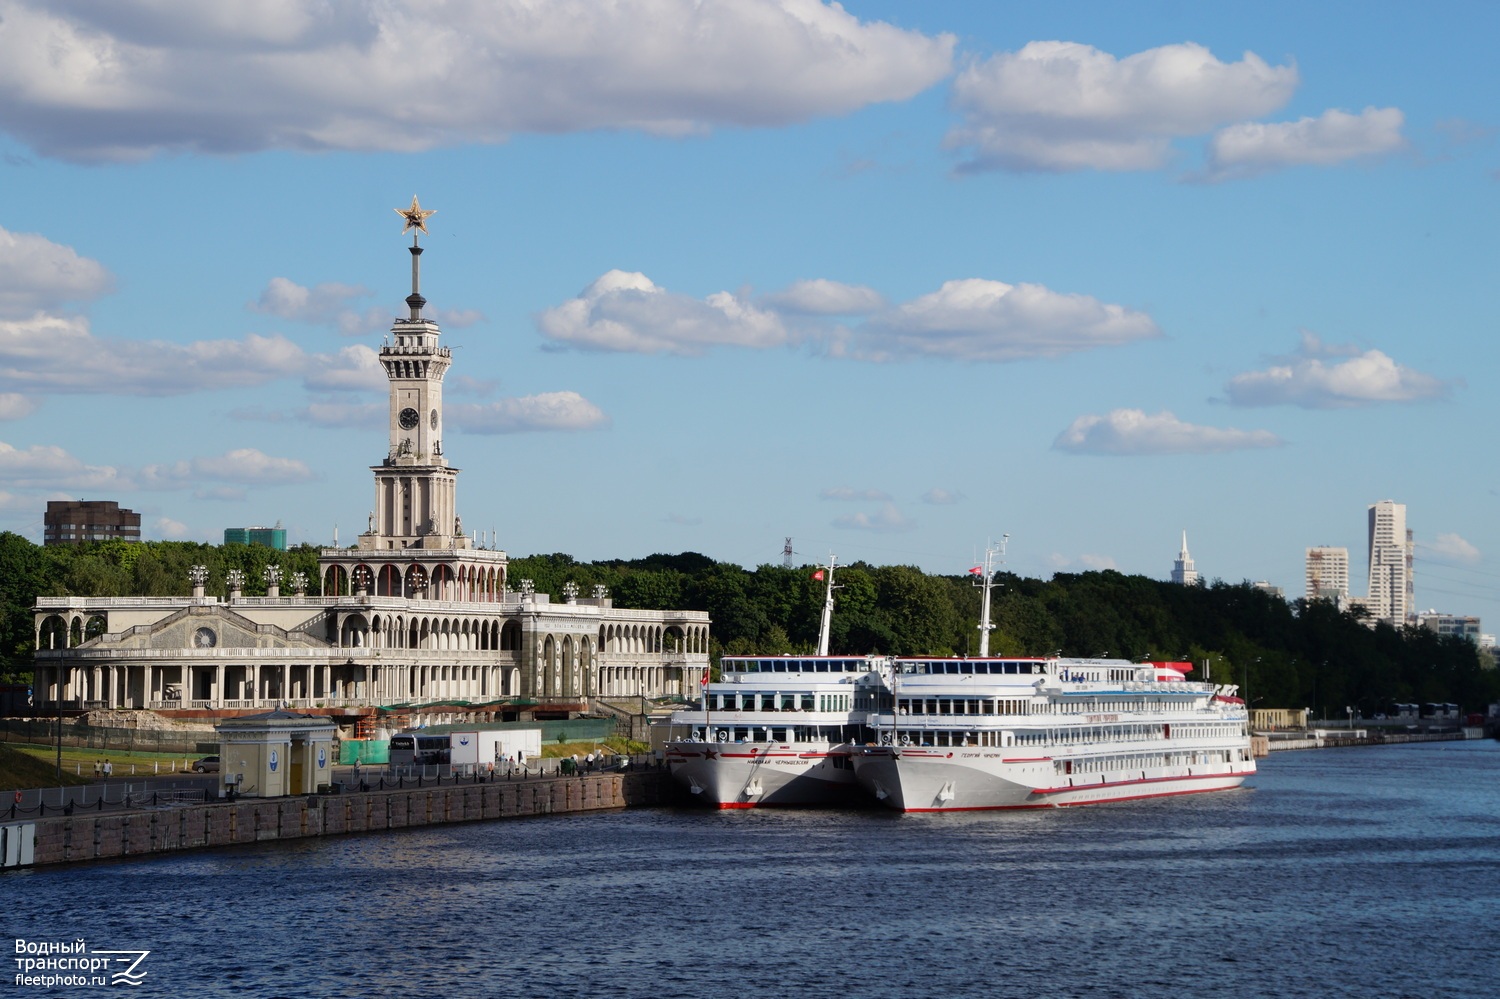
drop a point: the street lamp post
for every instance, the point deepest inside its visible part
(59, 733)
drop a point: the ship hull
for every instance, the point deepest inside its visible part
(933, 780)
(764, 775)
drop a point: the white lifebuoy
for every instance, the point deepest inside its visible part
(723, 736)
(906, 740)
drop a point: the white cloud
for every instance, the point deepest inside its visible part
(60, 354)
(1131, 431)
(821, 297)
(972, 319)
(240, 465)
(37, 274)
(324, 304)
(975, 319)
(10, 502)
(171, 530)
(131, 78)
(543, 412)
(887, 520)
(624, 311)
(1313, 379)
(1454, 547)
(941, 497)
(1098, 562)
(1335, 136)
(355, 368)
(1056, 106)
(14, 406)
(49, 467)
(456, 319)
(847, 493)
(332, 304)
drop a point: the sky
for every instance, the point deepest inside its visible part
(890, 279)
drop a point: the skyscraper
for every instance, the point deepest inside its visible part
(1391, 548)
(1182, 570)
(1328, 575)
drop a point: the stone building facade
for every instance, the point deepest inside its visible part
(415, 614)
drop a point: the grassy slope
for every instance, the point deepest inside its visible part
(18, 770)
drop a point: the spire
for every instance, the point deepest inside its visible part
(416, 218)
(1182, 570)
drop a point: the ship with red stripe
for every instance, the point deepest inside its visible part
(778, 730)
(971, 734)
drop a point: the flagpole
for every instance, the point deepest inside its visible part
(985, 627)
(708, 722)
(827, 622)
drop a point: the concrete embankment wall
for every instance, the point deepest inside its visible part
(1373, 739)
(68, 839)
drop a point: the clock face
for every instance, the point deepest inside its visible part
(433, 419)
(409, 418)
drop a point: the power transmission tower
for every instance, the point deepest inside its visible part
(786, 554)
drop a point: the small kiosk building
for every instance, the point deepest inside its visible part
(275, 753)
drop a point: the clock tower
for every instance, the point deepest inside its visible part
(415, 489)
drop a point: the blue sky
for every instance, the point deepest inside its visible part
(888, 278)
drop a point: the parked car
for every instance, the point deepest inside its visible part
(207, 765)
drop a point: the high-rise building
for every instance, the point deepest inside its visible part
(1391, 549)
(1455, 625)
(73, 522)
(1328, 575)
(271, 537)
(1182, 570)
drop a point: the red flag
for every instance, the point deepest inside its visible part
(976, 571)
(818, 575)
(704, 682)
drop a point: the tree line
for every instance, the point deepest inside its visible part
(1282, 654)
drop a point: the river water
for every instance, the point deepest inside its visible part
(1350, 872)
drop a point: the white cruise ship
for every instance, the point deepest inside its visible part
(967, 734)
(777, 730)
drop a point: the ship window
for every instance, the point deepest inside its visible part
(807, 702)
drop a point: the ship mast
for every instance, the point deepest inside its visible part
(827, 622)
(985, 627)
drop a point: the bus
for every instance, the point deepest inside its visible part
(415, 749)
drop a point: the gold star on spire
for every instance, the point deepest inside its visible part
(415, 216)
